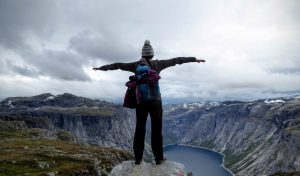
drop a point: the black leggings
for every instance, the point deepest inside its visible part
(156, 111)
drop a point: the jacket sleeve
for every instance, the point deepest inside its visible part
(162, 64)
(123, 66)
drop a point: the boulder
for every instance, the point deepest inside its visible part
(167, 168)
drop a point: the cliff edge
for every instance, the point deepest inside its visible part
(167, 168)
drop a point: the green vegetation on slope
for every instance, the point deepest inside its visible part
(25, 151)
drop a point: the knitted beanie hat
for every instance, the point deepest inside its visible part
(147, 49)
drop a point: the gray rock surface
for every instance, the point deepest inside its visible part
(167, 168)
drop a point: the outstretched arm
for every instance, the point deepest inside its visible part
(123, 66)
(178, 60)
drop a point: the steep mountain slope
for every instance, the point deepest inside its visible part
(91, 121)
(257, 138)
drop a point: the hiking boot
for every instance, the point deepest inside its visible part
(138, 162)
(158, 162)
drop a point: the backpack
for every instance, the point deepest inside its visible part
(147, 84)
(130, 100)
(142, 87)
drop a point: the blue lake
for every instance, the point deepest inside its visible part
(201, 162)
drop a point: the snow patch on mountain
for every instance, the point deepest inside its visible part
(49, 98)
(11, 106)
(273, 101)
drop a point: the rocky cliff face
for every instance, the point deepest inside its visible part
(91, 121)
(258, 138)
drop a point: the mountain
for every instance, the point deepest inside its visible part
(259, 137)
(64, 135)
(93, 122)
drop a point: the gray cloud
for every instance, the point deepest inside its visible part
(22, 70)
(27, 22)
(60, 64)
(20, 18)
(102, 46)
(251, 47)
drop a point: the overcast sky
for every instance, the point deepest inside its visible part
(251, 47)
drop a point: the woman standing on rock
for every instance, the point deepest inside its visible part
(148, 98)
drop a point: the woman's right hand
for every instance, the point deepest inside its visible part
(200, 60)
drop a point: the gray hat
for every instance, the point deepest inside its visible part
(147, 49)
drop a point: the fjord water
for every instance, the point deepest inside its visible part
(201, 162)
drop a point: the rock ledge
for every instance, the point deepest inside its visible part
(167, 168)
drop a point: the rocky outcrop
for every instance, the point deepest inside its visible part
(167, 168)
(257, 138)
